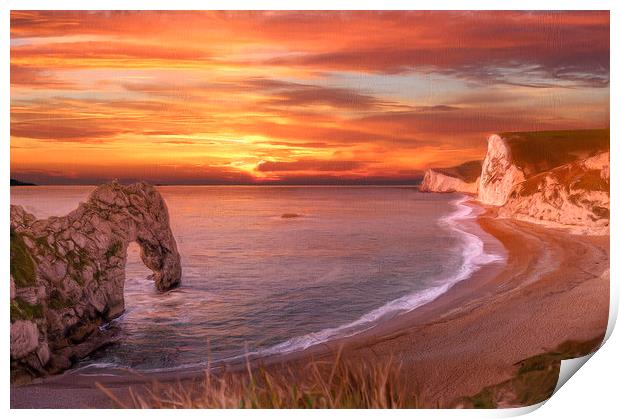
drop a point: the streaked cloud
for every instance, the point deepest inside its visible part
(287, 97)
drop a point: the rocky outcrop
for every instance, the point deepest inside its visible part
(68, 273)
(463, 178)
(574, 195)
(555, 178)
(513, 157)
(499, 173)
(435, 181)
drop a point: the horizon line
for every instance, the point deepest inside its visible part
(223, 184)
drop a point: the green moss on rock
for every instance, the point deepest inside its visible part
(23, 310)
(113, 249)
(77, 277)
(58, 302)
(22, 265)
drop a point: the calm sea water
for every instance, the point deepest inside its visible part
(256, 281)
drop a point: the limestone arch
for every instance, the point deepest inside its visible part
(78, 274)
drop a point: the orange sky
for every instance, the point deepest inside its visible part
(291, 97)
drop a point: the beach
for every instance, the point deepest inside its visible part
(550, 289)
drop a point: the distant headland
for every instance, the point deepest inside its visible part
(15, 182)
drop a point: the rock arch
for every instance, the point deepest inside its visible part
(68, 273)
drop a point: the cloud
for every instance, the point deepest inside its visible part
(291, 144)
(59, 129)
(108, 53)
(35, 77)
(333, 134)
(545, 44)
(548, 43)
(206, 96)
(309, 165)
(154, 173)
(297, 94)
(275, 93)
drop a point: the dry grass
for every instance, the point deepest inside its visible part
(319, 384)
(468, 171)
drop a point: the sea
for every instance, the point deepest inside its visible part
(276, 269)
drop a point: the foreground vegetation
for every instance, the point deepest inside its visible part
(339, 384)
(344, 384)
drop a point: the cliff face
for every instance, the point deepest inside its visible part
(68, 273)
(463, 178)
(555, 178)
(438, 182)
(574, 195)
(499, 174)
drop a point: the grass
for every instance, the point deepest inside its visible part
(346, 384)
(57, 301)
(535, 379)
(538, 151)
(22, 265)
(334, 384)
(468, 171)
(23, 310)
(572, 177)
(113, 250)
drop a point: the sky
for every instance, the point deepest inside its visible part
(291, 97)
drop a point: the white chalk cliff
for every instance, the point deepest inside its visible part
(499, 174)
(554, 178)
(463, 178)
(435, 181)
(575, 195)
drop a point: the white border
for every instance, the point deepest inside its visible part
(592, 393)
(311, 5)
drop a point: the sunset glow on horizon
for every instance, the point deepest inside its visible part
(291, 97)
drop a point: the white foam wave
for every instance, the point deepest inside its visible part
(473, 255)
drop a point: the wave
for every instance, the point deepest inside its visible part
(474, 257)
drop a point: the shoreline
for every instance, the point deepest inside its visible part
(486, 250)
(467, 338)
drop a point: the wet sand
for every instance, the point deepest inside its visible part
(551, 288)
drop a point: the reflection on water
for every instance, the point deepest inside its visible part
(254, 275)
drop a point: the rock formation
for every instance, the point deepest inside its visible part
(68, 273)
(463, 178)
(513, 157)
(555, 178)
(573, 195)
(499, 173)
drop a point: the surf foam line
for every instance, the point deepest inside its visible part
(474, 257)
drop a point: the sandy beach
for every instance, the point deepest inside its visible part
(551, 288)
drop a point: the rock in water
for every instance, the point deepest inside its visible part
(68, 273)
(290, 215)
